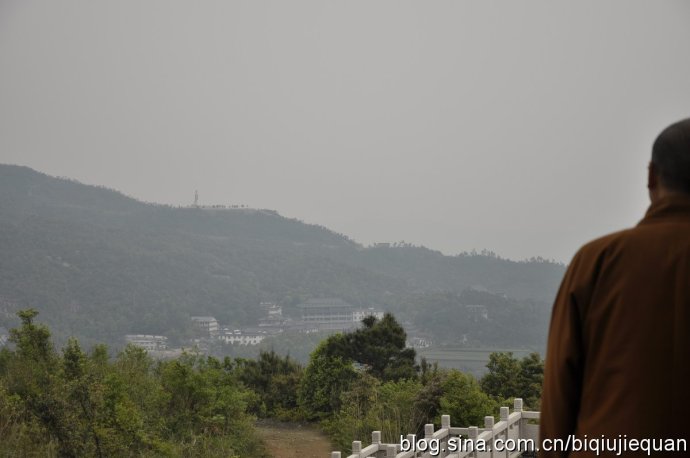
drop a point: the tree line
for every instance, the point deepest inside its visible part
(74, 403)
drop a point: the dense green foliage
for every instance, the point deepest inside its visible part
(509, 377)
(379, 346)
(99, 265)
(378, 349)
(355, 383)
(464, 400)
(325, 379)
(372, 405)
(401, 407)
(71, 403)
(74, 404)
(274, 380)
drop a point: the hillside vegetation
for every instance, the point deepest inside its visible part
(98, 264)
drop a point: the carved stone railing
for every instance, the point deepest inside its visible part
(515, 433)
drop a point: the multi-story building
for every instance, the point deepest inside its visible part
(325, 311)
(206, 324)
(334, 314)
(147, 341)
(273, 314)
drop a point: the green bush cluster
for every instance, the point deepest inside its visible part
(367, 380)
(72, 403)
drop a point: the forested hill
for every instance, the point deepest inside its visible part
(98, 264)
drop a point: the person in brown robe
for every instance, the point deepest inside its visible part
(618, 352)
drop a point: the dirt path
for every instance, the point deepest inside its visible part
(293, 440)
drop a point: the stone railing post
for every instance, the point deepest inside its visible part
(356, 446)
(376, 437)
(445, 424)
(517, 407)
(473, 433)
(505, 413)
(489, 425)
(445, 421)
(412, 438)
(428, 430)
(335, 454)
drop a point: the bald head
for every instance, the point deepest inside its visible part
(670, 166)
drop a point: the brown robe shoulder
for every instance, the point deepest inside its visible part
(618, 352)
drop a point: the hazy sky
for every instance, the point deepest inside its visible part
(520, 127)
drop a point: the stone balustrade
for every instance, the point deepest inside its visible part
(516, 432)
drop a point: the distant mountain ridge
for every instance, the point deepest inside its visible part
(98, 264)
